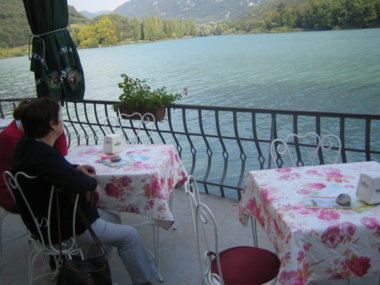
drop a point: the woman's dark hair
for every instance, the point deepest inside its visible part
(36, 117)
(20, 108)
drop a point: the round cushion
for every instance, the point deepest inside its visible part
(246, 265)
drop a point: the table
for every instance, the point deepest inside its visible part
(314, 244)
(142, 184)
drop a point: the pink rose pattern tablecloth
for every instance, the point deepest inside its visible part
(314, 244)
(143, 185)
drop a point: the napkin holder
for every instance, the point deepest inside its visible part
(113, 143)
(368, 189)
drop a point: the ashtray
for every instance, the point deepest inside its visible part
(115, 158)
(343, 200)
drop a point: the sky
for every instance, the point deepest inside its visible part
(95, 5)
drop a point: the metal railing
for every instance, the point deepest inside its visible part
(219, 145)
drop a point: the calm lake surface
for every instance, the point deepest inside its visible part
(336, 71)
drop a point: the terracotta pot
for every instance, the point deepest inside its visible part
(159, 114)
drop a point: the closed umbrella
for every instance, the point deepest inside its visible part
(54, 58)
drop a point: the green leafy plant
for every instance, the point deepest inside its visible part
(137, 96)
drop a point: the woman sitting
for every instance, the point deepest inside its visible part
(36, 156)
(9, 138)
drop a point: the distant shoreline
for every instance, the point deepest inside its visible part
(24, 50)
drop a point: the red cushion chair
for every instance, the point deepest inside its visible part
(242, 265)
(246, 265)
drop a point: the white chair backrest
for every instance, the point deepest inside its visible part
(302, 150)
(192, 191)
(333, 143)
(14, 186)
(207, 244)
(135, 127)
(201, 218)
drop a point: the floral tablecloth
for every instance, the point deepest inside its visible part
(314, 243)
(140, 183)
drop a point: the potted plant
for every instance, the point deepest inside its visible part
(139, 97)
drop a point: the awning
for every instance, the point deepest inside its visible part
(54, 57)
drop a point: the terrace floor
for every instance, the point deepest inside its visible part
(179, 263)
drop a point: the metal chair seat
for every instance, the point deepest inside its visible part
(42, 243)
(241, 265)
(246, 265)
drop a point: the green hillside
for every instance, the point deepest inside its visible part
(284, 15)
(14, 27)
(271, 16)
(76, 18)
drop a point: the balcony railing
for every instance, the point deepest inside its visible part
(219, 145)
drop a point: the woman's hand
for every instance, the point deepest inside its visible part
(87, 169)
(93, 197)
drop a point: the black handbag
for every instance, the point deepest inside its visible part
(75, 271)
(78, 271)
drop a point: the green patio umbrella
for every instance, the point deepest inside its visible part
(54, 58)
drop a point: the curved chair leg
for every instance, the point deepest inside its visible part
(173, 228)
(154, 254)
(2, 216)
(156, 230)
(254, 231)
(32, 257)
(31, 263)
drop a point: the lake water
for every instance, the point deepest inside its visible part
(335, 71)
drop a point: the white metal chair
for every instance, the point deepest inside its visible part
(41, 234)
(3, 214)
(145, 124)
(136, 128)
(301, 150)
(282, 154)
(237, 265)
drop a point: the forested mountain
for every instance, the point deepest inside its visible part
(111, 29)
(76, 18)
(14, 27)
(175, 19)
(288, 15)
(197, 10)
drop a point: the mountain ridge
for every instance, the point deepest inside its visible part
(197, 10)
(92, 15)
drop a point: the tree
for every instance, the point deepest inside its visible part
(191, 28)
(102, 32)
(220, 28)
(136, 29)
(74, 31)
(87, 36)
(153, 28)
(123, 26)
(106, 32)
